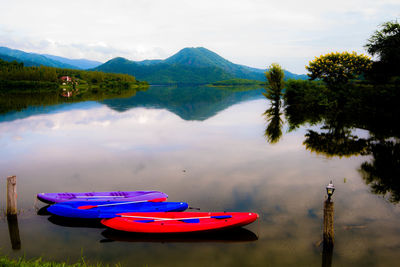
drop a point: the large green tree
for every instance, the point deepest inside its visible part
(274, 75)
(336, 69)
(385, 44)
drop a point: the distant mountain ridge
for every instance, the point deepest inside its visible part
(81, 63)
(8, 58)
(189, 66)
(34, 59)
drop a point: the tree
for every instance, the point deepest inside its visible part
(275, 76)
(276, 84)
(385, 44)
(336, 69)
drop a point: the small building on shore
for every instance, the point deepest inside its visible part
(66, 78)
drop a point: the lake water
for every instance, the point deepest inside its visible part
(200, 145)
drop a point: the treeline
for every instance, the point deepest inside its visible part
(14, 75)
(235, 82)
(14, 71)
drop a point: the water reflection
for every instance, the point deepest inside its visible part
(374, 109)
(188, 102)
(273, 131)
(227, 236)
(217, 164)
(43, 211)
(19, 106)
(13, 230)
(327, 253)
(383, 171)
(75, 222)
(335, 142)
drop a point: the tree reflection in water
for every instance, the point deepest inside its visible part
(336, 142)
(273, 131)
(382, 173)
(371, 108)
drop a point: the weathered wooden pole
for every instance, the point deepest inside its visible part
(12, 195)
(328, 233)
(328, 222)
(12, 219)
(13, 230)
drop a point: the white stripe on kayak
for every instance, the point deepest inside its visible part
(175, 219)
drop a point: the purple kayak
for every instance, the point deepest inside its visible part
(51, 198)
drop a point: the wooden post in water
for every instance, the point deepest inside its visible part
(328, 233)
(328, 222)
(12, 219)
(12, 195)
(13, 230)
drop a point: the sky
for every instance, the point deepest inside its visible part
(255, 33)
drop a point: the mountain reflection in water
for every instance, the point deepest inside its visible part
(188, 102)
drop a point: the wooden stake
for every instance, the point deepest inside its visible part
(12, 195)
(13, 230)
(328, 222)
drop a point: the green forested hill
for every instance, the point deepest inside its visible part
(188, 66)
(163, 73)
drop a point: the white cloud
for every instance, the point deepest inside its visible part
(253, 32)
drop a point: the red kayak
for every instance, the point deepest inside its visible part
(178, 222)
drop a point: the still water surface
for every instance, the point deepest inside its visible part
(206, 148)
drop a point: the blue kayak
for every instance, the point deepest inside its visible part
(105, 209)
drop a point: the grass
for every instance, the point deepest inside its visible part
(22, 262)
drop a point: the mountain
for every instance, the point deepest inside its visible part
(78, 63)
(10, 59)
(148, 62)
(163, 73)
(33, 59)
(189, 66)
